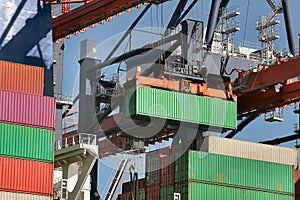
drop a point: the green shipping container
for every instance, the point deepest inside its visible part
(204, 191)
(142, 195)
(180, 106)
(26, 142)
(237, 172)
(167, 193)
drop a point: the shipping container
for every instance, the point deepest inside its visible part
(21, 78)
(128, 195)
(26, 142)
(142, 101)
(152, 192)
(28, 110)
(153, 165)
(251, 150)
(26, 176)
(237, 172)
(204, 191)
(21, 196)
(142, 194)
(167, 170)
(127, 187)
(109, 146)
(153, 178)
(167, 193)
(125, 196)
(297, 183)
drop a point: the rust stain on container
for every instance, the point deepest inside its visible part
(28, 110)
(21, 78)
(17, 175)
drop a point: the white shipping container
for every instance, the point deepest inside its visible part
(250, 150)
(21, 196)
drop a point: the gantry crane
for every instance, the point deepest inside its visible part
(256, 90)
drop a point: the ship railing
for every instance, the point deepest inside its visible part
(81, 138)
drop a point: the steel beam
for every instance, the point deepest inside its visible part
(242, 125)
(176, 15)
(282, 140)
(290, 32)
(135, 52)
(269, 76)
(212, 22)
(128, 32)
(88, 164)
(261, 101)
(89, 14)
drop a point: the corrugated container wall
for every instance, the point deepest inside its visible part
(21, 196)
(26, 176)
(152, 192)
(128, 195)
(142, 194)
(153, 165)
(127, 187)
(201, 191)
(180, 106)
(167, 170)
(26, 142)
(21, 78)
(167, 193)
(251, 150)
(28, 110)
(125, 196)
(238, 172)
(297, 184)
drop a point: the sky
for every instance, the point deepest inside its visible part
(259, 130)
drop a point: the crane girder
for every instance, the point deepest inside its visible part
(91, 13)
(267, 76)
(262, 101)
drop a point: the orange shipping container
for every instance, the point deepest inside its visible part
(21, 78)
(17, 175)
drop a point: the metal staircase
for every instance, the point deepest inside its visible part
(118, 180)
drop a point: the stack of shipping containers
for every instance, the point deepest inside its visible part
(202, 175)
(128, 187)
(223, 169)
(27, 122)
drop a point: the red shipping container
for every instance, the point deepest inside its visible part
(126, 187)
(17, 175)
(125, 196)
(167, 170)
(153, 165)
(28, 110)
(297, 184)
(152, 193)
(21, 78)
(142, 183)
